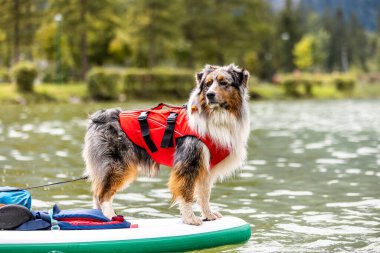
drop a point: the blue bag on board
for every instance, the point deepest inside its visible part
(85, 219)
(12, 195)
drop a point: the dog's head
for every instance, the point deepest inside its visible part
(222, 87)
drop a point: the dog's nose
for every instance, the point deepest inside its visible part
(210, 95)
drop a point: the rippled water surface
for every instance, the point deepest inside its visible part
(311, 183)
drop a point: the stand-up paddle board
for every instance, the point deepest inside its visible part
(151, 235)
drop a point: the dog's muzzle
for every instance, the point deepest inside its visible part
(211, 98)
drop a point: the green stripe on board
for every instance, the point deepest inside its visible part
(164, 244)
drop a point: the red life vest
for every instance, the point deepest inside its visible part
(157, 129)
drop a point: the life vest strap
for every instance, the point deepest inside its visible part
(145, 131)
(167, 139)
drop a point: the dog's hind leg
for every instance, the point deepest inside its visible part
(188, 162)
(95, 201)
(110, 158)
(115, 180)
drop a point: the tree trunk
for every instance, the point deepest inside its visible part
(190, 60)
(152, 52)
(344, 59)
(152, 44)
(83, 39)
(16, 31)
(220, 58)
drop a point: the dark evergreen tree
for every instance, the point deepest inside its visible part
(289, 32)
(19, 20)
(358, 43)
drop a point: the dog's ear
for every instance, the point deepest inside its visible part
(241, 76)
(244, 77)
(198, 77)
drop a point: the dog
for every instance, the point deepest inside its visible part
(217, 108)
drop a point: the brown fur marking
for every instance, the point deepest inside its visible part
(229, 95)
(181, 185)
(209, 80)
(185, 172)
(115, 181)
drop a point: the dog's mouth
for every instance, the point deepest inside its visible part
(213, 104)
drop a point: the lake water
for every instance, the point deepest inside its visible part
(311, 183)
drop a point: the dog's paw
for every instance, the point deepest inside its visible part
(109, 214)
(211, 216)
(217, 214)
(192, 220)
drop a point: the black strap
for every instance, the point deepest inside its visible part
(167, 140)
(145, 131)
(50, 184)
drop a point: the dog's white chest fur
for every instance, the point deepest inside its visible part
(225, 130)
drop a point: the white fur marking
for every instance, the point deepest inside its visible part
(226, 130)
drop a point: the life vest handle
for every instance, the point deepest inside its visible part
(162, 105)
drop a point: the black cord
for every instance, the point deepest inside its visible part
(62, 182)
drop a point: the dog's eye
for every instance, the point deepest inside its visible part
(208, 83)
(223, 83)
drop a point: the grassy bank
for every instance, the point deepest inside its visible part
(77, 93)
(267, 91)
(63, 93)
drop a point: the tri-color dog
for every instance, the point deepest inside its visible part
(217, 118)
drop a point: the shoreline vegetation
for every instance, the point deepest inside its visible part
(120, 85)
(113, 51)
(77, 92)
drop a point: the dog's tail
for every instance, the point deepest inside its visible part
(102, 124)
(104, 116)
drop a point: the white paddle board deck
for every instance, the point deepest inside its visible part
(152, 235)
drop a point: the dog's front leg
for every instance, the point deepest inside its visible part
(187, 213)
(182, 188)
(203, 191)
(189, 162)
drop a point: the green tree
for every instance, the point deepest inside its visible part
(358, 43)
(153, 29)
(310, 52)
(338, 48)
(320, 45)
(19, 20)
(303, 53)
(289, 32)
(348, 43)
(89, 27)
(223, 31)
(118, 47)
(46, 49)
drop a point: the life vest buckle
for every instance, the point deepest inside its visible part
(167, 139)
(172, 118)
(143, 121)
(143, 116)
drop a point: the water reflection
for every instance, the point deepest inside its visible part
(312, 180)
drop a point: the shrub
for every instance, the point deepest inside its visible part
(24, 74)
(303, 85)
(4, 75)
(49, 75)
(290, 86)
(300, 85)
(150, 83)
(102, 84)
(344, 83)
(370, 77)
